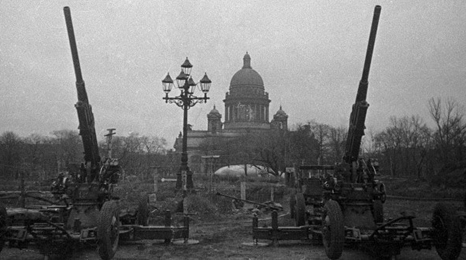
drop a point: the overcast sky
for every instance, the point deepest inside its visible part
(310, 55)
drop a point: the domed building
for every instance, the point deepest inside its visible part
(247, 103)
(246, 110)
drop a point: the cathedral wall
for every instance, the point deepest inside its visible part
(246, 125)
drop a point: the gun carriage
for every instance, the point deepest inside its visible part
(343, 203)
(87, 212)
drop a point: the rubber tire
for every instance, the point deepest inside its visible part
(377, 211)
(446, 233)
(142, 216)
(3, 225)
(333, 230)
(292, 205)
(108, 230)
(300, 210)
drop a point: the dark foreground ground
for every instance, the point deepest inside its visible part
(289, 251)
(224, 240)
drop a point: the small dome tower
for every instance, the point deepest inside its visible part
(214, 122)
(280, 120)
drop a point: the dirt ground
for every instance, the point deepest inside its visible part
(224, 240)
(215, 243)
(149, 250)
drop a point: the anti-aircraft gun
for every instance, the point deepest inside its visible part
(358, 113)
(353, 198)
(90, 214)
(93, 170)
(89, 188)
(343, 203)
(332, 197)
(94, 208)
(354, 171)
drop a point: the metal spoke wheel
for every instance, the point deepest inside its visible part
(142, 217)
(300, 210)
(108, 230)
(333, 230)
(446, 233)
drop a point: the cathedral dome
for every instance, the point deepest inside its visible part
(247, 103)
(246, 76)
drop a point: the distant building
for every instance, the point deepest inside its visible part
(246, 110)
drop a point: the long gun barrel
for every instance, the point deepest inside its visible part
(82, 94)
(358, 113)
(84, 109)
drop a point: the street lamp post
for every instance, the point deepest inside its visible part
(185, 100)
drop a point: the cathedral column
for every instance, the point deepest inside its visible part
(260, 112)
(266, 114)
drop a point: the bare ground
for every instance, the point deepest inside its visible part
(224, 240)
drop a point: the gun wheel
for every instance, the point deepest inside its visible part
(3, 225)
(333, 230)
(108, 230)
(300, 210)
(446, 233)
(142, 217)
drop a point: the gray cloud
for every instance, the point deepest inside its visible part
(309, 53)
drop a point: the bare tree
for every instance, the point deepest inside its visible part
(301, 146)
(321, 134)
(70, 148)
(270, 151)
(40, 156)
(450, 134)
(336, 143)
(405, 143)
(138, 154)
